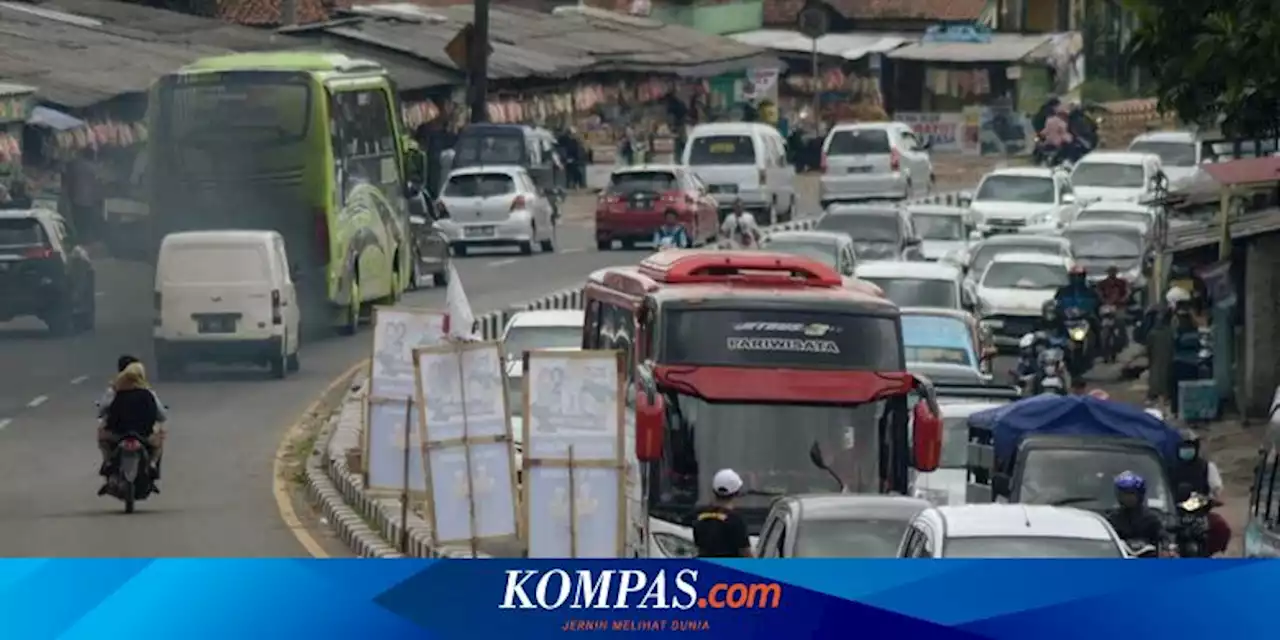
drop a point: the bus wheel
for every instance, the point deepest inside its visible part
(351, 320)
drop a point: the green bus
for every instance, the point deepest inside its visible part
(309, 144)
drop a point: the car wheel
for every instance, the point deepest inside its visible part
(88, 315)
(604, 245)
(440, 279)
(61, 319)
(549, 244)
(280, 365)
(292, 362)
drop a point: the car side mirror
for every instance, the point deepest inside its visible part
(1000, 485)
(1068, 198)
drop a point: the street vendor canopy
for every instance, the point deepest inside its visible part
(1072, 416)
(54, 119)
(1001, 47)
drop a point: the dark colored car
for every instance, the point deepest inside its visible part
(837, 526)
(44, 272)
(879, 232)
(636, 202)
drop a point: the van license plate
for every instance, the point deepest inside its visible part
(859, 169)
(216, 324)
(479, 232)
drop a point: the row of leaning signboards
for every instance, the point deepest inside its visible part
(438, 433)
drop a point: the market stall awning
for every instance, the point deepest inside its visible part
(1003, 47)
(54, 119)
(849, 46)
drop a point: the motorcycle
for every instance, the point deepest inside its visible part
(1112, 333)
(1193, 526)
(1050, 377)
(129, 476)
(1078, 358)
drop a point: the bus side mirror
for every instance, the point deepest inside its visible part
(651, 417)
(926, 438)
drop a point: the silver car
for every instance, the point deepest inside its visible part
(872, 161)
(1024, 198)
(495, 206)
(830, 248)
(944, 230)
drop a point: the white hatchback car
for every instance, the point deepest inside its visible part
(873, 160)
(495, 206)
(1010, 531)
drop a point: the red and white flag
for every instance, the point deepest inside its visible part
(459, 322)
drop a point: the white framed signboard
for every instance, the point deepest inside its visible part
(462, 403)
(396, 333)
(574, 454)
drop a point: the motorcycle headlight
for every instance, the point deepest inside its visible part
(1078, 333)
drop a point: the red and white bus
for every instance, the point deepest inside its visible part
(747, 360)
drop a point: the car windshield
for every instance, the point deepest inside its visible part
(1030, 547)
(768, 445)
(858, 142)
(1104, 244)
(832, 538)
(1022, 275)
(955, 443)
(479, 185)
(706, 150)
(21, 233)
(1109, 174)
(933, 226)
(1016, 189)
(823, 252)
(643, 182)
(863, 227)
(1172, 154)
(987, 252)
(476, 149)
(521, 339)
(1083, 478)
(919, 292)
(1095, 215)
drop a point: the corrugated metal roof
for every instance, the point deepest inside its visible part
(849, 46)
(1003, 47)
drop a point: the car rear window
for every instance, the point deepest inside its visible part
(22, 232)
(858, 142)
(490, 149)
(480, 185)
(722, 150)
(215, 265)
(643, 181)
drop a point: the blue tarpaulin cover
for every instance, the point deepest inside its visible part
(1072, 416)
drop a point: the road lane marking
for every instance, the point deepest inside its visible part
(79, 379)
(577, 250)
(502, 263)
(37, 401)
(4, 423)
(280, 485)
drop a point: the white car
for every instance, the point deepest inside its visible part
(948, 484)
(495, 206)
(1013, 289)
(744, 161)
(1034, 199)
(943, 230)
(975, 260)
(919, 284)
(1010, 531)
(1148, 217)
(1179, 151)
(873, 160)
(1116, 175)
(559, 329)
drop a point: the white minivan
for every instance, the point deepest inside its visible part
(225, 297)
(744, 161)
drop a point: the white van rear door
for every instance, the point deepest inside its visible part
(217, 291)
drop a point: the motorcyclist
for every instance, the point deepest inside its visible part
(1132, 519)
(1197, 474)
(671, 233)
(133, 409)
(1027, 352)
(1077, 293)
(740, 228)
(1114, 290)
(1186, 342)
(1050, 321)
(1057, 136)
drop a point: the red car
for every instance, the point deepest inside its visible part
(638, 198)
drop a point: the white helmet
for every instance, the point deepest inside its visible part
(1155, 413)
(1176, 295)
(1028, 340)
(727, 483)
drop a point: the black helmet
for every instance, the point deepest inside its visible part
(124, 361)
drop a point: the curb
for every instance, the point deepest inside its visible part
(370, 525)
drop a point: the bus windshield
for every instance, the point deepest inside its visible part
(236, 108)
(768, 445)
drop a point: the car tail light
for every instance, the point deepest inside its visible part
(131, 445)
(276, 316)
(895, 160)
(442, 210)
(322, 236)
(158, 304)
(518, 203)
(822, 164)
(38, 253)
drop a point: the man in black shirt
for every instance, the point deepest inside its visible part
(718, 531)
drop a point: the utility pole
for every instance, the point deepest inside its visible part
(478, 73)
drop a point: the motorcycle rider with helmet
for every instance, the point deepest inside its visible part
(1078, 294)
(1200, 475)
(1132, 518)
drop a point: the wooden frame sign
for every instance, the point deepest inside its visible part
(466, 435)
(575, 468)
(388, 405)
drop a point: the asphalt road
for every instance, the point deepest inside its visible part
(225, 423)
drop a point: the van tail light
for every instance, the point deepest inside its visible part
(518, 203)
(895, 160)
(38, 253)
(277, 317)
(322, 236)
(822, 164)
(442, 210)
(158, 302)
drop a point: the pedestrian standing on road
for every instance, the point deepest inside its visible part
(718, 530)
(740, 228)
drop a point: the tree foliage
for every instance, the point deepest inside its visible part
(1213, 62)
